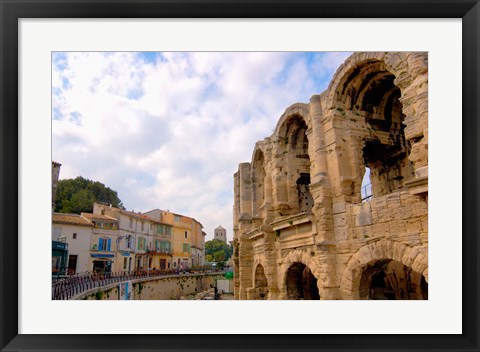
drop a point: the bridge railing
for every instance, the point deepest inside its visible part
(67, 287)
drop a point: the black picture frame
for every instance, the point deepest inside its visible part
(11, 11)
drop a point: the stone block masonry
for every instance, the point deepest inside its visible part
(164, 288)
(303, 226)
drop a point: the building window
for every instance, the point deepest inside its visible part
(125, 263)
(142, 243)
(104, 244)
(142, 227)
(186, 248)
(177, 218)
(102, 211)
(186, 234)
(131, 223)
(74, 235)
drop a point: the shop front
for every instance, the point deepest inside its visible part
(102, 263)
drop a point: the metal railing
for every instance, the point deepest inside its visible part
(64, 288)
(366, 192)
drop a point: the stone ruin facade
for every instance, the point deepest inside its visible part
(303, 228)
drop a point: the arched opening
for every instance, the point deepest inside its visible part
(301, 284)
(388, 279)
(298, 171)
(305, 199)
(369, 96)
(261, 284)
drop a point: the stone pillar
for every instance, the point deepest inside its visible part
(280, 189)
(320, 183)
(245, 267)
(327, 282)
(414, 86)
(270, 250)
(245, 190)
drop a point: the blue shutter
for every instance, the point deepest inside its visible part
(109, 242)
(100, 243)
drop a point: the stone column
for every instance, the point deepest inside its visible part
(320, 183)
(245, 190)
(245, 267)
(270, 250)
(327, 283)
(414, 87)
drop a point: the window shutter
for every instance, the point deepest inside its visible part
(109, 244)
(138, 244)
(100, 243)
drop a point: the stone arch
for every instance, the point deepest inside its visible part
(298, 109)
(413, 257)
(258, 180)
(293, 159)
(405, 66)
(298, 256)
(377, 95)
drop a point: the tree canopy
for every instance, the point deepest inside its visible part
(78, 195)
(218, 251)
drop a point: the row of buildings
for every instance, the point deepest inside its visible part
(115, 240)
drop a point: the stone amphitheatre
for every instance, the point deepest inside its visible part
(303, 226)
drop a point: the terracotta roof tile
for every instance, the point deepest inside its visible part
(139, 216)
(70, 219)
(91, 217)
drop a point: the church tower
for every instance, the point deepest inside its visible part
(220, 234)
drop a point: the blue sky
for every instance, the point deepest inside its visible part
(168, 130)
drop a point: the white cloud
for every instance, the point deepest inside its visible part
(171, 134)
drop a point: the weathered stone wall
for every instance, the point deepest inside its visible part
(298, 204)
(165, 288)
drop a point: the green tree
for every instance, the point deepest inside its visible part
(78, 195)
(218, 251)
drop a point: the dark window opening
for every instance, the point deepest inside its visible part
(305, 199)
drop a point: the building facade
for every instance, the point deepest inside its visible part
(75, 231)
(104, 243)
(304, 227)
(188, 239)
(135, 239)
